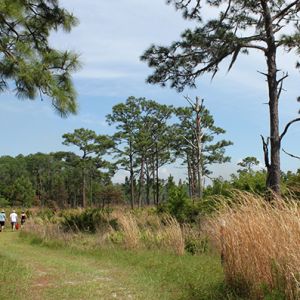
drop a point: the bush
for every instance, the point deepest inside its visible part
(88, 220)
(45, 214)
(180, 206)
(196, 246)
(3, 202)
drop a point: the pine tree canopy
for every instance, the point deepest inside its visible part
(28, 63)
(234, 27)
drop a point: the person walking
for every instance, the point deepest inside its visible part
(13, 219)
(2, 220)
(23, 218)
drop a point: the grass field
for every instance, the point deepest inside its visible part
(36, 271)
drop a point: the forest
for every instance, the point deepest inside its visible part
(148, 136)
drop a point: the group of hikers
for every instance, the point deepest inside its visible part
(13, 220)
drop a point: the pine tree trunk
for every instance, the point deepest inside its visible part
(131, 176)
(189, 176)
(157, 177)
(273, 176)
(83, 188)
(147, 183)
(199, 148)
(141, 189)
(153, 181)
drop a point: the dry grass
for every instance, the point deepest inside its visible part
(172, 236)
(135, 230)
(260, 242)
(144, 230)
(46, 231)
(130, 230)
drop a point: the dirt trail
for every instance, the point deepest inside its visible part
(59, 274)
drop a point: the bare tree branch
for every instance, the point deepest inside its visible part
(266, 151)
(280, 83)
(188, 99)
(262, 73)
(294, 156)
(287, 127)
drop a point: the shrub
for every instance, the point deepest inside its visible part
(180, 206)
(88, 220)
(45, 214)
(3, 202)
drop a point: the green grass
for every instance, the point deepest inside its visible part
(14, 279)
(171, 277)
(68, 273)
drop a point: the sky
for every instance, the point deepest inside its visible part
(111, 37)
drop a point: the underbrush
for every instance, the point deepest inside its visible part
(132, 230)
(260, 242)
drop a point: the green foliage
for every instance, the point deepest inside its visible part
(180, 206)
(45, 214)
(3, 202)
(88, 220)
(273, 294)
(195, 144)
(233, 29)
(291, 183)
(196, 245)
(22, 192)
(247, 163)
(186, 135)
(93, 148)
(27, 58)
(111, 194)
(254, 182)
(143, 142)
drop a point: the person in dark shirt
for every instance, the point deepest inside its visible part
(23, 218)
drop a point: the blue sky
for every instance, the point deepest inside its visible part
(110, 38)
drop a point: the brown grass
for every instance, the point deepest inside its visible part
(130, 230)
(260, 242)
(144, 230)
(136, 230)
(45, 230)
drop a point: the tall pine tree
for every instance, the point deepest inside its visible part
(237, 27)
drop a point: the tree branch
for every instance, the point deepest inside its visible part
(285, 10)
(294, 156)
(287, 127)
(266, 151)
(280, 83)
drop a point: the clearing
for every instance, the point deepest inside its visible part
(33, 271)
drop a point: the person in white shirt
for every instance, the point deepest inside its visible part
(13, 219)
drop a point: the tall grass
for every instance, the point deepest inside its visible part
(132, 230)
(260, 243)
(46, 231)
(142, 230)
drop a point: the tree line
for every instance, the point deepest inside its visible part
(148, 136)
